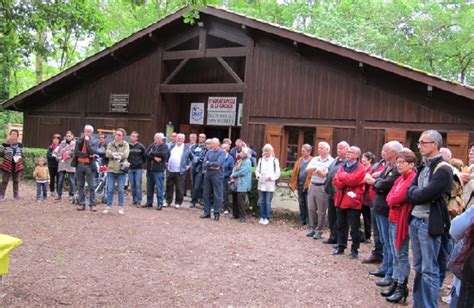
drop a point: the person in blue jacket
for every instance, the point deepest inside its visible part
(241, 179)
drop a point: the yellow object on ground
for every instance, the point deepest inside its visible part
(7, 244)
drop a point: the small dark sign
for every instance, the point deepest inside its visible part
(119, 102)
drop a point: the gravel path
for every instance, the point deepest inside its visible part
(172, 258)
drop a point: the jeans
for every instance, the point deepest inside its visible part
(401, 262)
(425, 262)
(154, 179)
(198, 181)
(378, 246)
(53, 178)
(135, 179)
(303, 203)
(345, 216)
(384, 236)
(265, 203)
(213, 181)
(72, 183)
(111, 179)
(41, 190)
(443, 257)
(174, 181)
(85, 173)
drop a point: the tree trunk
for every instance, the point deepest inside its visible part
(39, 58)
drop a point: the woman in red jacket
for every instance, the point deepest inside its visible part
(350, 184)
(398, 227)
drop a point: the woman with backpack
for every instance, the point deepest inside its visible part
(267, 173)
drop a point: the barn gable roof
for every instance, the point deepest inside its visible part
(254, 23)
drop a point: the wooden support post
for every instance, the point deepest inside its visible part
(176, 71)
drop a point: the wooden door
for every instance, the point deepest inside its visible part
(394, 134)
(323, 134)
(458, 143)
(273, 135)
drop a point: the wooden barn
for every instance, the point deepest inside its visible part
(232, 75)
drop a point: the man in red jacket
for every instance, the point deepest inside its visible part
(350, 184)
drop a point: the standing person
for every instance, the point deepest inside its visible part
(398, 226)
(178, 163)
(117, 153)
(267, 172)
(12, 165)
(136, 158)
(196, 150)
(227, 167)
(234, 152)
(41, 175)
(157, 154)
(242, 181)
(65, 154)
(227, 141)
(349, 182)
(103, 146)
(367, 161)
(462, 231)
(213, 178)
(171, 139)
(199, 172)
(376, 254)
(84, 159)
(192, 144)
(318, 199)
(300, 181)
(53, 163)
(382, 185)
(429, 218)
(331, 190)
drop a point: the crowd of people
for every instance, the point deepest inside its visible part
(399, 201)
(426, 206)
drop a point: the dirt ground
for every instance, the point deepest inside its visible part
(171, 258)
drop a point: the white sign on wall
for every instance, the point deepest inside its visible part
(221, 111)
(196, 113)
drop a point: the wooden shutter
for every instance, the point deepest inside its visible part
(458, 142)
(323, 134)
(273, 135)
(399, 135)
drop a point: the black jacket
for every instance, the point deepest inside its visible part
(91, 149)
(439, 185)
(328, 186)
(52, 161)
(137, 156)
(382, 186)
(160, 151)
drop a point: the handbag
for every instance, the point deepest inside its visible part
(124, 166)
(233, 186)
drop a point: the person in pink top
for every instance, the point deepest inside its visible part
(398, 227)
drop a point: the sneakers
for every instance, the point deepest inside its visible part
(106, 211)
(120, 211)
(166, 205)
(265, 222)
(310, 233)
(177, 206)
(226, 212)
(260, 221)
(2, 198)
(317, 235)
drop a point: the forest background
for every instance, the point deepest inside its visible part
(40, 38)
